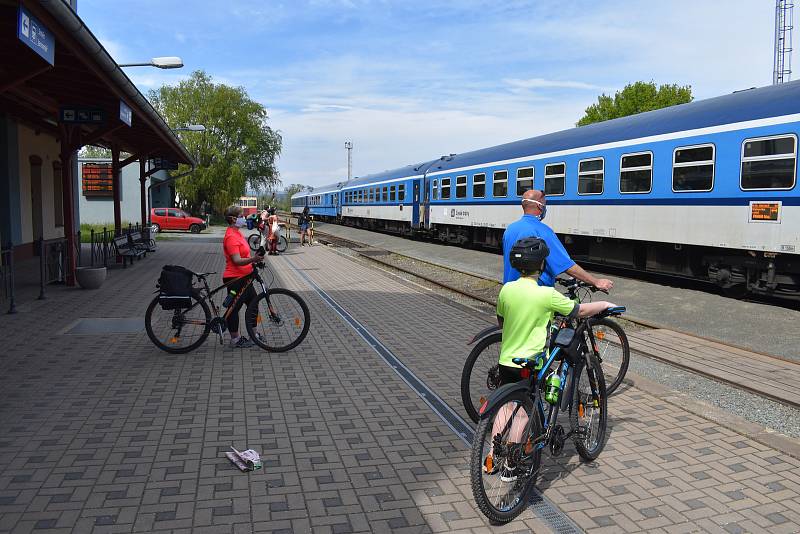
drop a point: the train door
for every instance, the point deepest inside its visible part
(427, 207)
(415, 204)
(337, 201)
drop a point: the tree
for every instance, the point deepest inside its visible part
(93, 151)
(238, 149)
(636, 98)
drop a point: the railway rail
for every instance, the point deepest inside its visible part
(374, 254)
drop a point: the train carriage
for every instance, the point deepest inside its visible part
(705, 190)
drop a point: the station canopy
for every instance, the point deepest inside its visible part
(67, 84)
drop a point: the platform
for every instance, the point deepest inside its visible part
(104, 433)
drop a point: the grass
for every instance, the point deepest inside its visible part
(86, 229)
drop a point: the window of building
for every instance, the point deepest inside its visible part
(500, 183)
(435, 189)
(479, 185)
(769, 162)
(445, 188)
(58, 196)
(554, 177)
(693, 168)
(590, 176)
(461, 187)
(524, 180)
(636, 173)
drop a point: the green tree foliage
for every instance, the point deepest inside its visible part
(92, 151)
(238, 150)
(636, 98)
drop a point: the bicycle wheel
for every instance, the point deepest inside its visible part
(481, 374)
(283, 244)
(587, 416)
(254, 240)
(277, 320)
(178, 331)
(504, 463)
(612, 348)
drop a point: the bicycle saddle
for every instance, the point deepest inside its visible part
(203, 275)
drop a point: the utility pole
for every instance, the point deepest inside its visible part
(349, 146)
(782, 69)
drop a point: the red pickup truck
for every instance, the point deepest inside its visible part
(175, 219)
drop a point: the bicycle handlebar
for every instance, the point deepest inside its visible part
(573, 284)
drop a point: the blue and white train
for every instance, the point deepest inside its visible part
(705, 190)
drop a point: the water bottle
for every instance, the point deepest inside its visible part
(229, 299)
(552, 388)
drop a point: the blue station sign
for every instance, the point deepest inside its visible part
(34, 34)
(125, 113)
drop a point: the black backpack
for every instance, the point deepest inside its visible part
(175, 285)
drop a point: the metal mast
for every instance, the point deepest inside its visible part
(782, 70)
(349, 146)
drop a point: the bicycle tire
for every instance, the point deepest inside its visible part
(253, 319)
(589, 453)
(283, 244)
(613, 378)
(148, 325)
(473, 397)
(254, 241)
(478, 458)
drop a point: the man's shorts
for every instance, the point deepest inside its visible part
(303, 227)
(510, 375)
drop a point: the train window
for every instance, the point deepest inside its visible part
(371, 195)
(401, 192)
(461, 187)
(500, 183)
(693, 168)
(524, 180)
(445, 188)
(590, 176)
(479, 186)
(392, 193)
(435, 186)
(636, 173)
(385, 195)
(769, 163)
(554, 175)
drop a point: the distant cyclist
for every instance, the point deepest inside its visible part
(534, 207)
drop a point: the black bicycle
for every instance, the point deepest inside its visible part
(259, 239)
(520, 420)
(481, 373)
(277, 319)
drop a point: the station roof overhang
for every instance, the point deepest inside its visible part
(83, 76)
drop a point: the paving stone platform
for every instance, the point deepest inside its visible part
(104, 433)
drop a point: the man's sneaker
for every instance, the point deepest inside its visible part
(242, 343)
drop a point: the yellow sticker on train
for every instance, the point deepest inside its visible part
(765, 211)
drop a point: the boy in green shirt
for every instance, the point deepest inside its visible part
(524, 311)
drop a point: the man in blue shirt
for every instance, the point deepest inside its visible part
(534, 207)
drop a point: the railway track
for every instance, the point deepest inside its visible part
(374, 254)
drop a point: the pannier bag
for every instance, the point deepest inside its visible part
(175, 286)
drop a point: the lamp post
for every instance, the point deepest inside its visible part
(166, 62)
(349, 146)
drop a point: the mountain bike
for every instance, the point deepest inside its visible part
(481, 373)
(520, 420)
(276, 319)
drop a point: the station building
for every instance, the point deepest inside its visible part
(59, 91)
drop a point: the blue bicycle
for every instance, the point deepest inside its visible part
(520, 420)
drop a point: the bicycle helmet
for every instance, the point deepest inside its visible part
(528, 255)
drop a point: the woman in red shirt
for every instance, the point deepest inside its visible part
(238, 265)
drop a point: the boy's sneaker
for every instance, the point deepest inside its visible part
(242, 343)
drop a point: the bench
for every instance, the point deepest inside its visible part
(138, 241)
(147, 240)
(123, 248)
